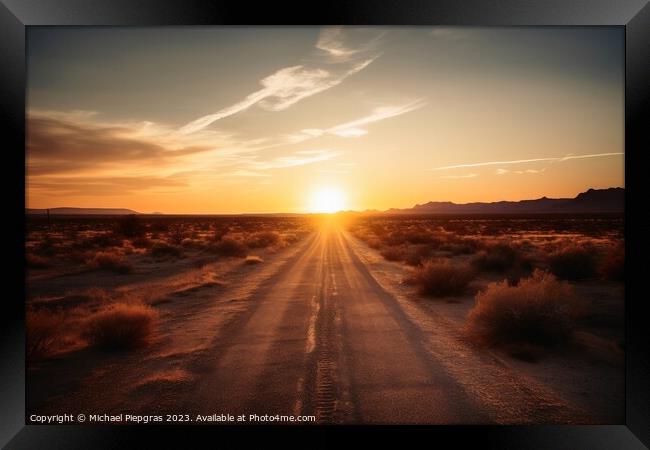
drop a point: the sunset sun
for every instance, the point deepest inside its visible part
(327, 200)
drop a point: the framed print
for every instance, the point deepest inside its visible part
(395, 219)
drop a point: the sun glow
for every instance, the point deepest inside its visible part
(327, 200)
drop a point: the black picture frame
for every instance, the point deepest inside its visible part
(633, 15)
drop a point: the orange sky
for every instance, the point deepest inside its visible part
(229, 120)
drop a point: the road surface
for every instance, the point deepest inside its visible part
(323, 338)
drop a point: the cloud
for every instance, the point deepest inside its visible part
(246, 173)
(524, 161)
(289, 85)
(456, 177)
(332, 43)
(296, 159)
(520, 172)
(352, 129)
(530, 171)
(280, 90)
(346, 130)
(58, 143)
(102, 185)
(350, 132)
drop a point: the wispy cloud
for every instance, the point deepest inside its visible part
(290, 85)
(332, 43)
(524, 161)
(533, 171)
(103, 185)
(502, 171)
(457, 177)
(293, 160)
(349, 129)
(352, 129)
(69, 143)
(246, 173)
(279, 91)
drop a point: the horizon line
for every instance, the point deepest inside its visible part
(155, 213)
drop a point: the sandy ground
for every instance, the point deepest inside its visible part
(323, 327)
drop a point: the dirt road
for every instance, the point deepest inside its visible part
(324, 338)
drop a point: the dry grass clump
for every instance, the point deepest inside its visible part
(228, 247)
(461, 246)
(393, 253)
(103, 240)
(497, 257)
(441, 278)
(176, 234)
(252, 259)
(219, 232)
(163, 249)
(120, 326)
(613, 265)
(193, 243)
(129, 227)
(263, 239)
(42, 329)
(540, 310)
(112, 261)
(574, 263)
(48, 246)
(141, 242)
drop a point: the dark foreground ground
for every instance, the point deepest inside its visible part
(321, 316)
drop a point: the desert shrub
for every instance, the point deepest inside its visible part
(252, 259)
(141, 242)
(540, 310)
(192, 243)
(495, 258)
(177, 234)
(79, 256)
(48, 246)
(290, 238)
(42, 329)
(613, 265)
(159, 226)
(121, 325)
(103, 240)
(37, 262)
(219, 233)
(573, 263)
(372, 242)
(393, 253)
(112, 261)
(441, 278)
(129, 226)
(418, 236)
(162, 249)
(416, 255)
(228, 247)
(263, 239)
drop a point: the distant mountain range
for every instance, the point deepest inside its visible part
(610, 200)
(82, 211)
